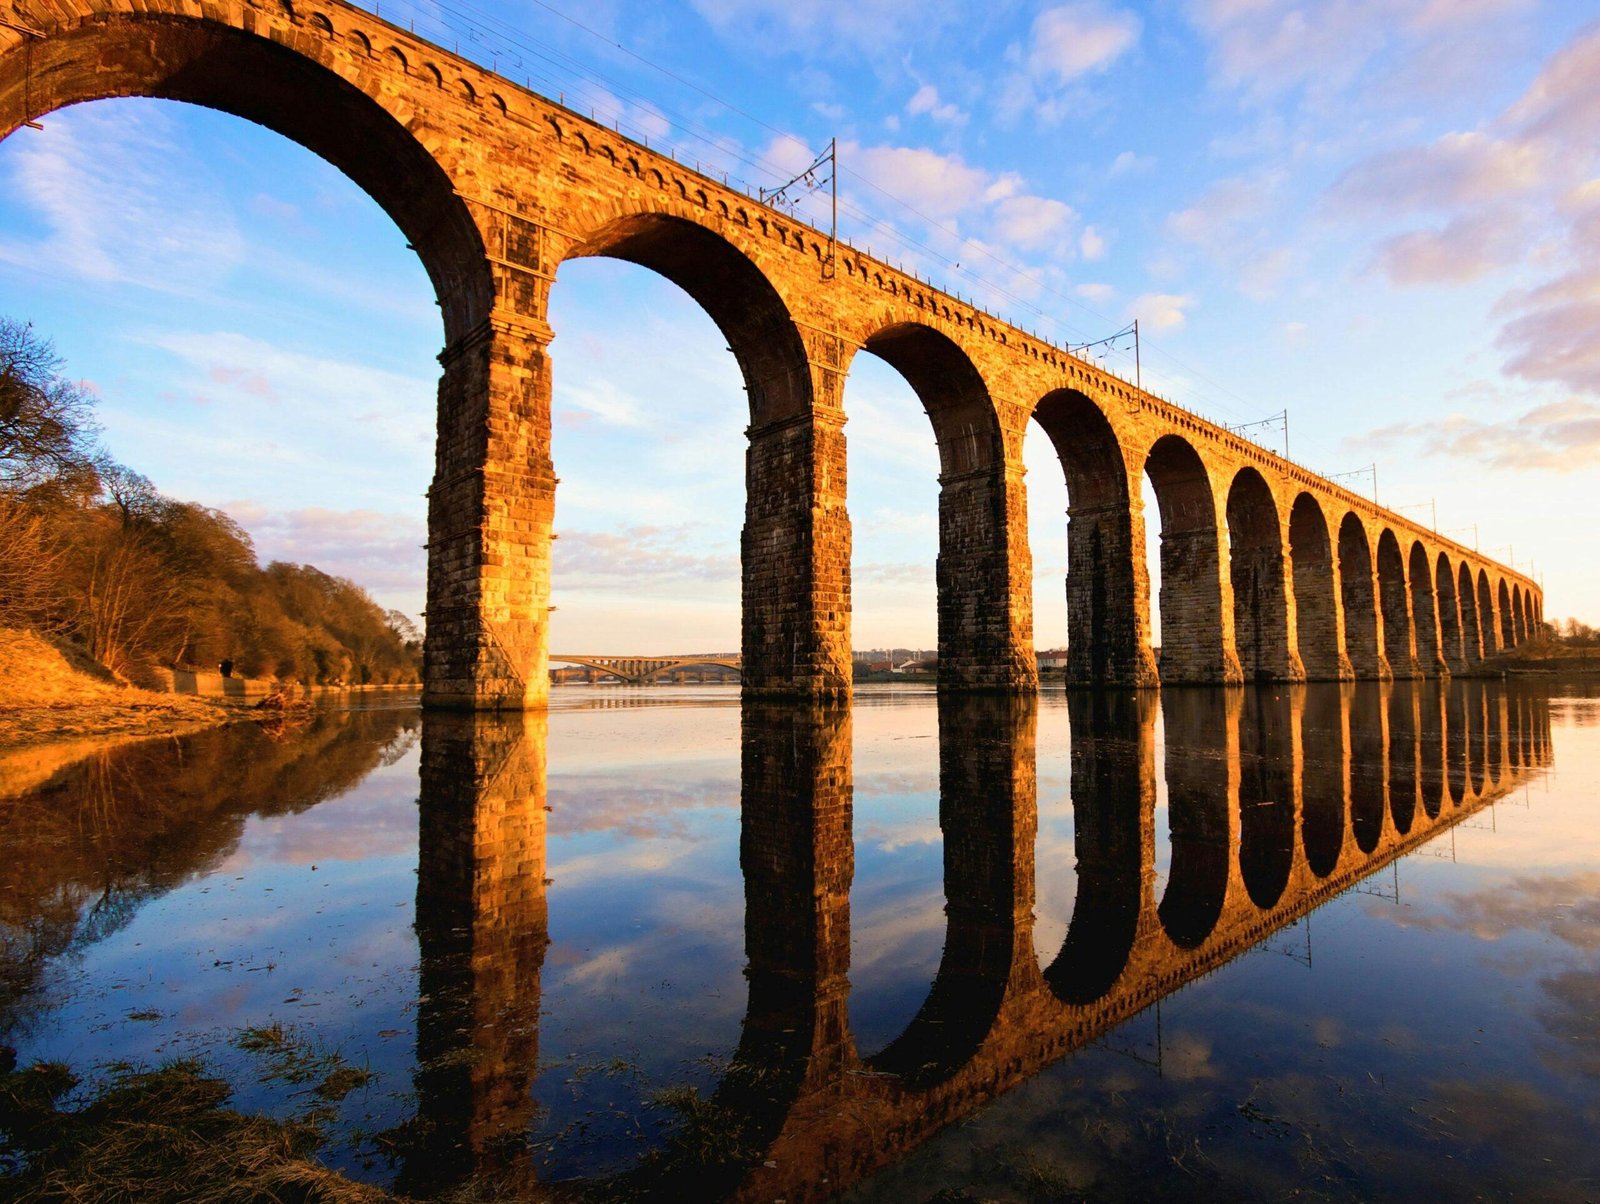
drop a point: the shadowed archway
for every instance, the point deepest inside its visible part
(984, 579)
(1196, 641)
(1360, 602)
(1106, 642)
(1255, 568)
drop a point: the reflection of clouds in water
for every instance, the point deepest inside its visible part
(621, 804)
(1567, 907)
(890, 836)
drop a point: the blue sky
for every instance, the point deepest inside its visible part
(1380, 215)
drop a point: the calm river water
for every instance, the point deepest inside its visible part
(1207, 944)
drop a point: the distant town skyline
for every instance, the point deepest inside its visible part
(1379, 217)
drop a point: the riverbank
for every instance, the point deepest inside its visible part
(48, 696)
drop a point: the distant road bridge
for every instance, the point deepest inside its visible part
(1268, 570)
(641, 670)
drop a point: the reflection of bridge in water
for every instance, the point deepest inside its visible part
(642, 670)
(1276, 803)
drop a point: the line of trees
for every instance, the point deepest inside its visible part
(92, 552)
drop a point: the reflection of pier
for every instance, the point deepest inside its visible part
(1277, 802)
(643, 670)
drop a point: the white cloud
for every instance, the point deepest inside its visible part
(1161, 311)
(109, 219)
(1076, 39)
(1032, 222)
(1091, 244)
(1096, 291)
(1456, 169)
(1562, 436)
(1128, 163)
(1463, 250)
(926, 101)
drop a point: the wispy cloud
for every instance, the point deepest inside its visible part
(1559, 437)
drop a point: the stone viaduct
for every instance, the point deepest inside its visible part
(1277, 801)
(1267, 570)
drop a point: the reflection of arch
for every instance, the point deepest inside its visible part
(1255, 568)
(1404, 751)
(1508, 633)
(1198, 814)
(1113, 794)
(1397, 638)
(988, 815)
(1477, 738)
(984, 580)
(1360, 604)
(1368, 765)
(1425, 612)
(1266, 796)
(1471, 630)
(1195, 644)
(1455, 745)
(1431, 742)
(1316, 608)
(1450, 637)
(1322, 782)
(1486, 623)
(1106, 643)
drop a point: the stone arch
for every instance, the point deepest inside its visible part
(1486, 616)
(1255, 569)
(488, 551)
(1356, 579)
(1196, 638)
(1316, 606)
(983, 573)
(1451, 642)
(796, 587)
(1107, 643)
(732, 290)
(1519, 614)
(1471, 631)
(197, 60)
(1508, 630)
(1425, 612)
(1398, 641)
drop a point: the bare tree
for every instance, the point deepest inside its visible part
(47, 430)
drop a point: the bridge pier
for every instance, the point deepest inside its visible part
(796, 554)
(490, 510)
(985, 582)
(1108, 640)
